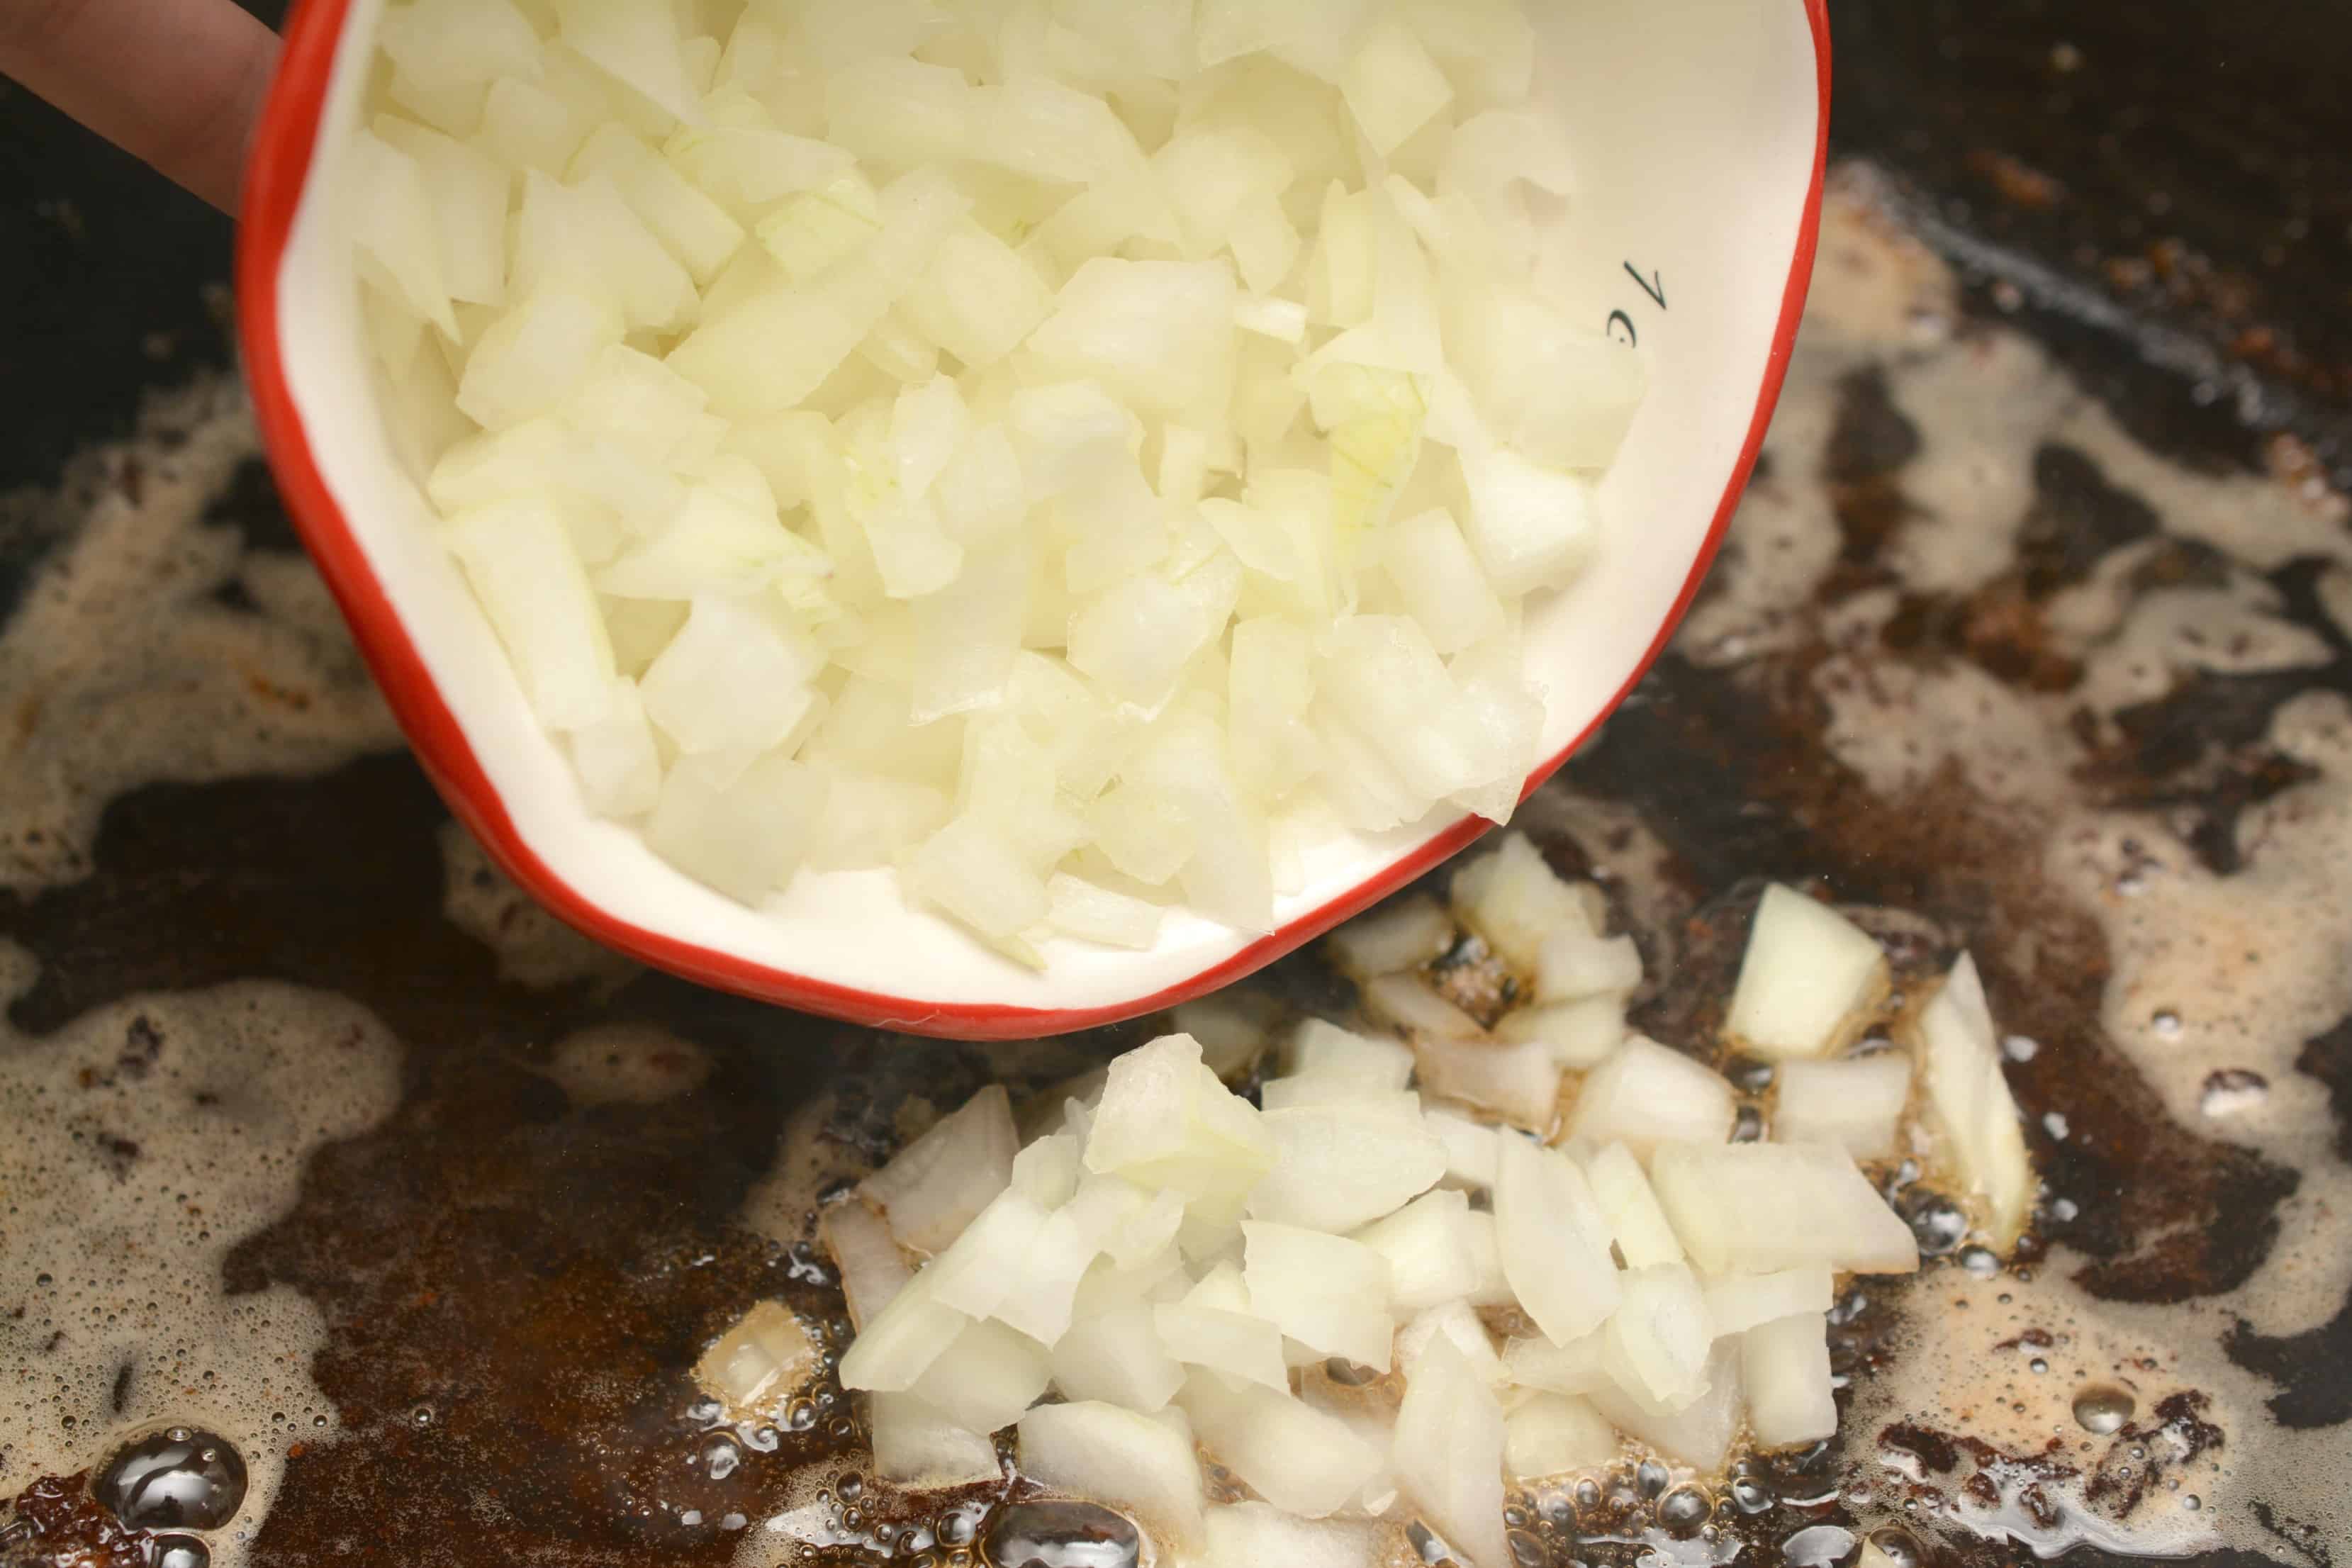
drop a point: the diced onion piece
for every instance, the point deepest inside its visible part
(1280, 319)
(915, 1445)
(767, 1355)
(769, 352)
(1739, 1302)
(530, 360)
(899, 112)
(1579, 1035)
(864, 1255)
(1580, 1366)
(1408, 1002)
(1698, 1435)
(1805, 979)
(467, 194)
(1234, 1028)
(1640, 1226)
(1456, 1322)
(1321, 1049)
(1648, 1094)
(1318, 1092)
(1552, 390)
(1554, 1241)
(985, 1379)
(616, 757)
(1135, 638)
(1488, 46)
(1341, 1165)
(1048, 1274)
(447, 46)
(1470, 1147)
(979, 1269)
(1249, 1534)
(972, 873)
(394, 230)
(1392, 87)
(934, 1187)
(1448, 1455)
(1117, 1357)
(694, 228)
(1301, 1459)
(1326, 1292)
(1786, 1367)
(744, 830)
(1080, 909)
(1398, 936)
(1486, 1246)
(1556, 1435)
(1441, 581)
(1533, 527)
(735, 678)
(1160, 332)
(638, 44)
(979, 299)
(1166, 1122)
(1661, 1333)
(1764, 1206)
(1201, 1331)
(1574, 965)
(1120, 1457)
(1856, 1103)
(1514, 900)
(1969, 1104)
(1520, 1084)
(899, 1343)
(1429, 1251)
(520, 561)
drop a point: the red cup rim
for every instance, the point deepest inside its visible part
(283, 150)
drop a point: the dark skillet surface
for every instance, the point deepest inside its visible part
(609, 1238)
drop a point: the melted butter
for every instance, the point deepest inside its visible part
(123, 666)
(146, 1141)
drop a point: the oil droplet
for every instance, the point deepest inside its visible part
(959, 1528)
(802, 1416)
(1981, 1262)
(732, 1521)
(2192, 1502)
(422, 1415)
(1938, 1223)
(719, 1457)
(1061, 1535)
(179, 1552)
(1652, 1478)
(1749, 1495)
(182, 1478)
(2103, 1408)
(761, 1439)
(1685, 1510)
(2167, 1025)
(1526, 1551)
(1588, 1495)
(2038, 1365)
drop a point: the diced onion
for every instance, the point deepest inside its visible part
(1805, 977)
(1200, 357)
